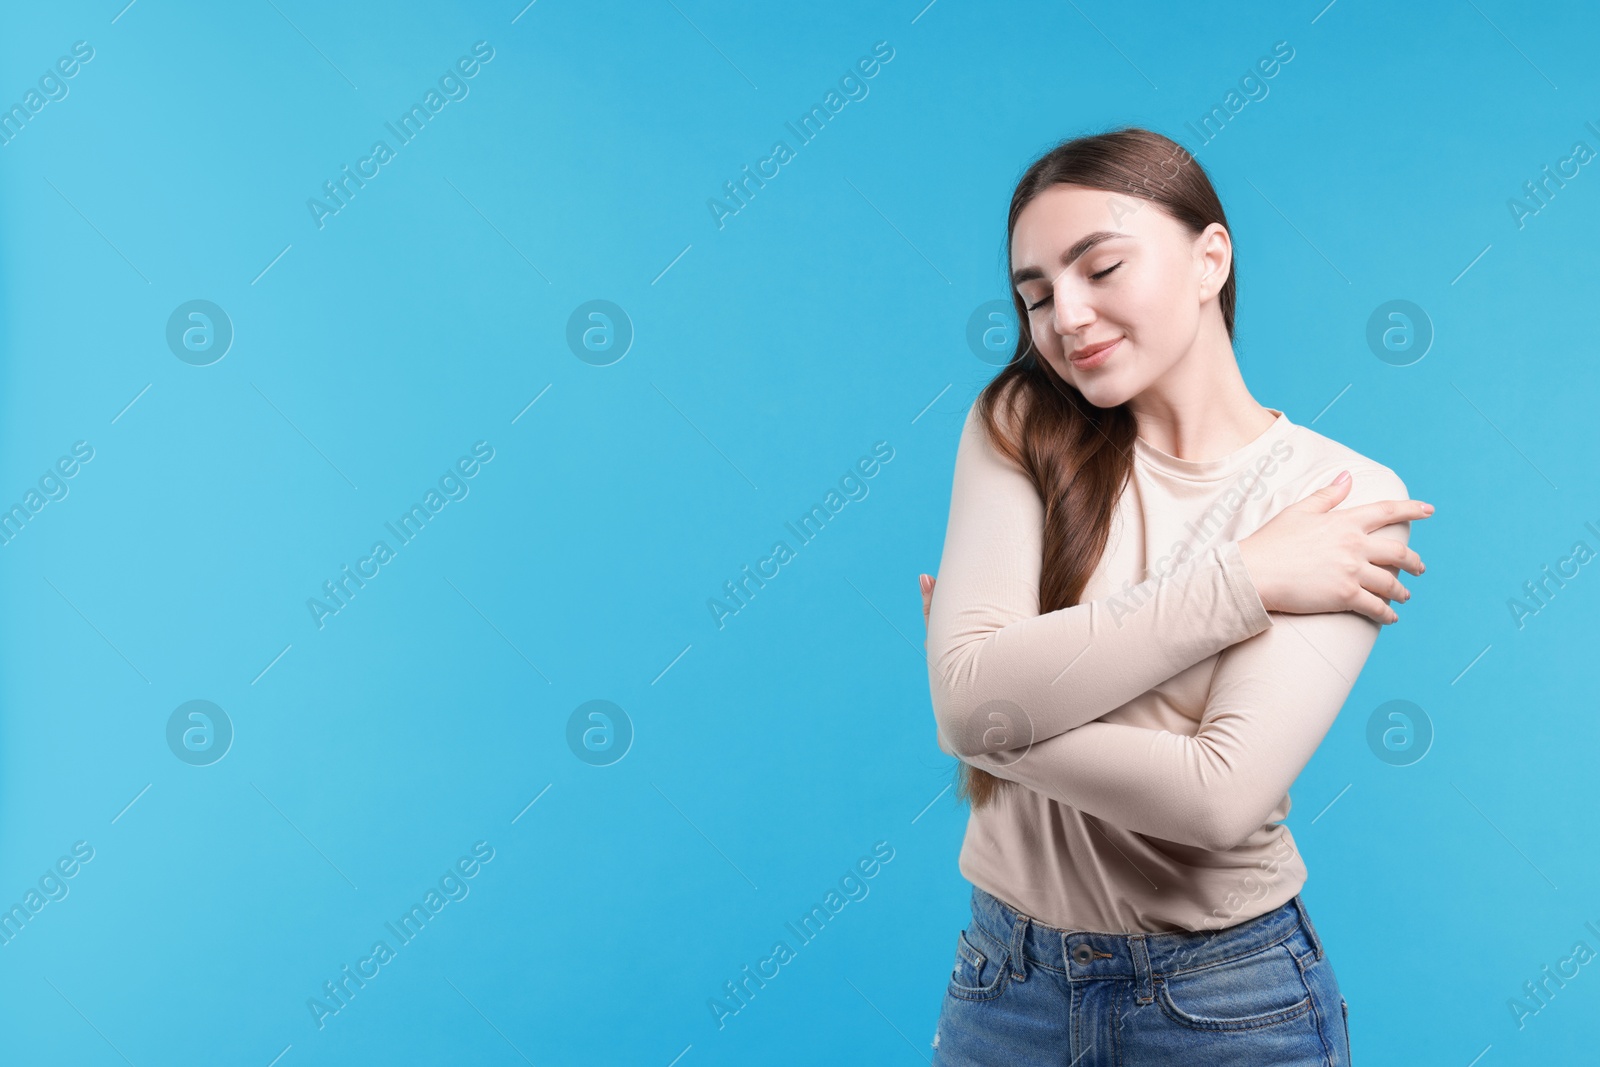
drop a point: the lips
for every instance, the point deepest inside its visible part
(1094, 355)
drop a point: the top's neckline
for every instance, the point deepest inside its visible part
(1219, 467)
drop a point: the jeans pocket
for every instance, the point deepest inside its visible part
(1264, 988)
(981, 965)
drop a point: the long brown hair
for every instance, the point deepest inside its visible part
(1080, 456)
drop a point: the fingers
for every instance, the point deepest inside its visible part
(1374, 608)
(1381, 513)
(1389, 552)
(1328, 497)
(1381, 582)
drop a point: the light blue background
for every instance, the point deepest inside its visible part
(829, 314)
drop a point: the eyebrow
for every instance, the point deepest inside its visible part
(1028, 274)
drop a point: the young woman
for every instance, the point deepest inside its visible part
(1154, 596)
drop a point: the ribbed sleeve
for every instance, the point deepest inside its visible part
(1003, 676)
(1272, 699)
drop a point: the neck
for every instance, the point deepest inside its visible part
(1201, 408)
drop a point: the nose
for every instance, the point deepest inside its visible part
(1071, 314)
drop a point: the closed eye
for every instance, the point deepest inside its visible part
(1096, 277)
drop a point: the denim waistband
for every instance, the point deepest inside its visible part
(1089, 955)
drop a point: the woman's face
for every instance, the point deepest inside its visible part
(1094, 266)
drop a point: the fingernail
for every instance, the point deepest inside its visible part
(1344, 476)
(1427, 509)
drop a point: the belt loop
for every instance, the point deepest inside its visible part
(1019, 937)
(1144, 986)
(1305, 920)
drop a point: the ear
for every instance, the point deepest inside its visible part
(1213, 259)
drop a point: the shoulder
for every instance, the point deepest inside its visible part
(1009, 408)
(1310, 460)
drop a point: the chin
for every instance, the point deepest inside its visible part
(1099, 391)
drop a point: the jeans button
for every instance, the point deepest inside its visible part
(1083, 954)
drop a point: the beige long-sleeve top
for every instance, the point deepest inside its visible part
(1157, 725)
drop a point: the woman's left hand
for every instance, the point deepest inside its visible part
(927, 581)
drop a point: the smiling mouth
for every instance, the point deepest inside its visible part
(1096, 355)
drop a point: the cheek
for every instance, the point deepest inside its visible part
(1154, 311)
(1042, 330)
(1147, 294)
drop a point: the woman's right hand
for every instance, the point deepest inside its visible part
(1309, 558)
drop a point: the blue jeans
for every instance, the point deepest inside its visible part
(1022, 993)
